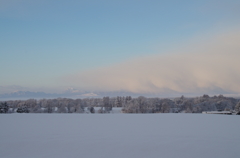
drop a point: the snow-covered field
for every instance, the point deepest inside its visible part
(119, 136)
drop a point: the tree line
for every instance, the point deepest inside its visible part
(128, 104)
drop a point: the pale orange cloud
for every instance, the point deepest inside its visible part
(212, 63)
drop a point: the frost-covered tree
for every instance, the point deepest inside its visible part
(101, 110)
(142, 104)
(62, 107)
(106, 104)
(71, 105)
(131, 106)
(237, 108)
(118, 102)
(92, 110)
(4, 107)
(128, 104)
(188, 107)
(137, 105)
(153, 105)
(23, 109)
(165, 107)
(30, 103)
(49, 108)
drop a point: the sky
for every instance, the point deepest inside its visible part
(138, 46)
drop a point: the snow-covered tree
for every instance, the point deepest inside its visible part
(49, 108)
(4, 107)
(23, 109)
(92, 110)
(142, 104)
(237, 108)
(106, 104)
(118, 102)
(131, 106)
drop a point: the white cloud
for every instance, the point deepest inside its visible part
(208, 65)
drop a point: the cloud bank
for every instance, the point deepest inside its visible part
(208, 65)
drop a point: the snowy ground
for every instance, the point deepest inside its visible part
(119, 136)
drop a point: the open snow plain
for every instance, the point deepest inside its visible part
(119, 136)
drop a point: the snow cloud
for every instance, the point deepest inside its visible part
(206, 65)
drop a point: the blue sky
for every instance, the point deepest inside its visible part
(43, 42)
